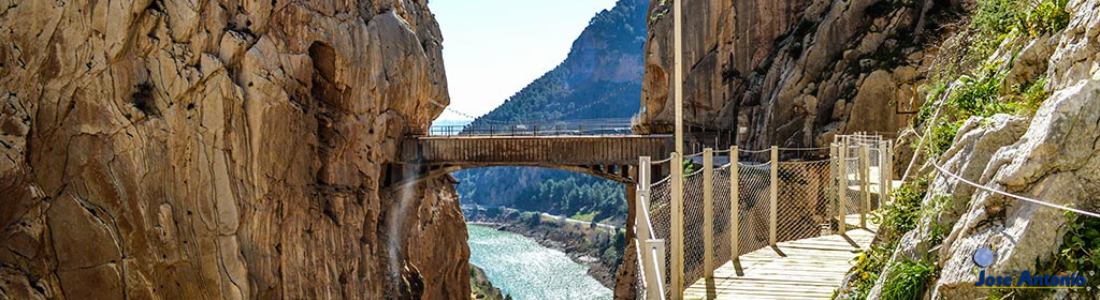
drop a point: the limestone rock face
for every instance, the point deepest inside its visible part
(972, 151)
(1047, 163)
(1053, 157)
(221, 149)
(1057, 160)
(787, 73)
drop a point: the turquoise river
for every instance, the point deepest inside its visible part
(521, 267)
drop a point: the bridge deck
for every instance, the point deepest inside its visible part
(812, 269)
(536, 150)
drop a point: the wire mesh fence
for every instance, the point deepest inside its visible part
(660, 208)
(722, 214)
(803, 201)
(754, 209)
(866, 173)
(693, 227)
(852, 202)
(773, 202)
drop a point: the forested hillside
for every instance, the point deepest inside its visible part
(600, 79)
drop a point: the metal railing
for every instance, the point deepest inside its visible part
(577, 127)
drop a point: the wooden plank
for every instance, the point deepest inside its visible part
(812, 269)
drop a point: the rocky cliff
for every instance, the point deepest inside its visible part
(1024, 121)
(789, 73)
(221, 149)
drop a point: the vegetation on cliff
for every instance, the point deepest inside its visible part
(481, 288)
(557, 192)
(971, 60)
(896, 219)
(987, 117)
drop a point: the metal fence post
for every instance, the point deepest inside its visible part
(774, 185)
(677, 230)
(708, 213)
(735, 211)
(864, 183)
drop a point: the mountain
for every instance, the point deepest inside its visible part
(601, 78)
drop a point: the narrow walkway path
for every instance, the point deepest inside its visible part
(812, 269)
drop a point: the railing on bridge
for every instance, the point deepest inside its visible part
(576, 127)
(688, 224)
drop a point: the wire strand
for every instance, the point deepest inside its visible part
(658, 162)
(945, 172)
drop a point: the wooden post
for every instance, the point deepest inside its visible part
(678, 82)
(676, 238)
(883, 192)
(735, 212)
(657, 250)
(842, 187)
(774, 184)
(865, 186)
(890, 169)
(708, 213)
(834, 181)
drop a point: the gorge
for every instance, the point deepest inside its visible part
(239, 149)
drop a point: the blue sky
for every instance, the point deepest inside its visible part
(493, 48)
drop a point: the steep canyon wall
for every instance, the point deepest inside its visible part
(221, 149)
(789, 73)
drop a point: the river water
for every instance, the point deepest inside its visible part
(521, 267)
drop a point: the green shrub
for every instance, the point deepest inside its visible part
(996, 20)
(689, 167)
(979, 96)
(663, 9)
(897, 218)
(1080, 250)
(992, 23)
(1027, 99)
(907, 280)
(902, 215)
(868, 266)
(1048, 16)
(534, 220)
(937, 205)
(943, 134)
(937, 233)
(936, 88)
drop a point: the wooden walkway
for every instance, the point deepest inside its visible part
(812, 269)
